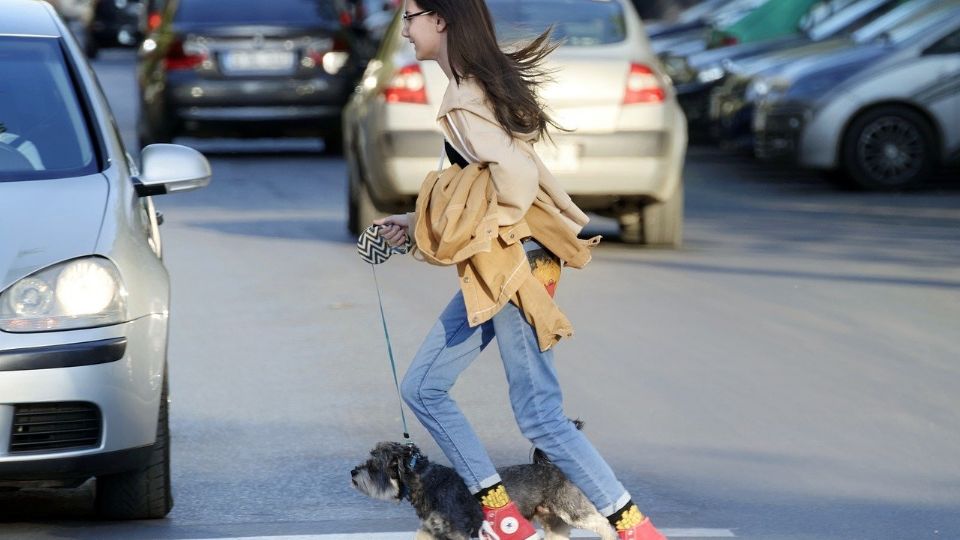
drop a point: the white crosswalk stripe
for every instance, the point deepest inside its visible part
(677, 533)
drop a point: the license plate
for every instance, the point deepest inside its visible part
(258, 61)
(562, 158)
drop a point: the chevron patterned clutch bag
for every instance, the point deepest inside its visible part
(374, 248)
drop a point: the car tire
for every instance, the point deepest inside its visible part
(144, 493)
(631, 226)
(360, 212)
(333, 144)
(889, 148)
(663, 221)
(91, 48)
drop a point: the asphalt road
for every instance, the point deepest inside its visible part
(791, 373)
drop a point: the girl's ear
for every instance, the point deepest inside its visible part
(441, 24)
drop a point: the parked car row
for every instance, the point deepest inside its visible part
(623, 157)
(867, 91)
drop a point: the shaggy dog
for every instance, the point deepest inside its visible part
(448, 511)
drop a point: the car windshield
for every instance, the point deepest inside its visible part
(230, 12)
(849, 18)
(904, 13)
(579, 23)
(698, 11)
(915, 29)
(820, 13)
(43, 133)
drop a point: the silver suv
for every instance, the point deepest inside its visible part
(84, 295)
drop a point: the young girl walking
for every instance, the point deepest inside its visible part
(490, 115)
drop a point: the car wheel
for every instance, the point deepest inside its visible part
(91, 48)
(333, 144)
(631, 227)
(889, 148)
(663, 221)
(361, 211)
(145, 493)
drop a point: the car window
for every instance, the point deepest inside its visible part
(579, 23)
(947, 45)
(43, 132)
(223, 12)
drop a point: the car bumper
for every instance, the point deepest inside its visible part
(116, 372)
(628, 164)
(185, 92)
(777, 131)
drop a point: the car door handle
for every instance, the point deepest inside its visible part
(159, 218)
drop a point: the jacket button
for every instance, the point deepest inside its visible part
(476, 319)
(466, 279)
(512, 235)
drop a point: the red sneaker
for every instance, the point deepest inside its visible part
(642, 531)
(506, 523)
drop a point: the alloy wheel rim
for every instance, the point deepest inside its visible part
(891, 150)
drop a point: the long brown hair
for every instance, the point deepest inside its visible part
(510, 79)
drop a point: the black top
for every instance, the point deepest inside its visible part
(455, 156)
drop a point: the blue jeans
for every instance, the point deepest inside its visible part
(535, 396)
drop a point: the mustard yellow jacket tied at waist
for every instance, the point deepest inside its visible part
(456, 223)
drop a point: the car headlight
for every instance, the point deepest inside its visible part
(711, 74)
(82, 293)
(763, 88)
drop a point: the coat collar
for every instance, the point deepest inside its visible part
(469, 96)
(466, 95)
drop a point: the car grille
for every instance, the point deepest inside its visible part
(55, 426)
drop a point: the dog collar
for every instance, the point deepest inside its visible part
(412, 466)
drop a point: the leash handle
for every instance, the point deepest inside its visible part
(393, 364)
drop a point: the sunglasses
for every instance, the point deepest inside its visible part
(407, 16)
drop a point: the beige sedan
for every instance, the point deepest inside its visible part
(622, 159)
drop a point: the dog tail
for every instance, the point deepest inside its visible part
(538, 457)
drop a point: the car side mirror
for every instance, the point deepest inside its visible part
(169, 168)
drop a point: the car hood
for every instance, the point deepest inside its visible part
(711, 57)
(837, 61)
(43, 222)
(772, 60)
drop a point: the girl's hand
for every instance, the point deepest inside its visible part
(394, 229)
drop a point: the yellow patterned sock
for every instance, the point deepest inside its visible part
(626, 518)
(494, 496)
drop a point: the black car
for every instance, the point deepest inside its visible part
(115, 22)
(247, 68)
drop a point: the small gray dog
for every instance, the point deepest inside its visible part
(448, 511)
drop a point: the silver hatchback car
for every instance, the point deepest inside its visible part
(623, 158)
(84, 295)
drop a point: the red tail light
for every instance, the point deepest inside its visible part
(727, 41)
(643, 86)
(153, 21)
(177, 58)
(407, 86)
